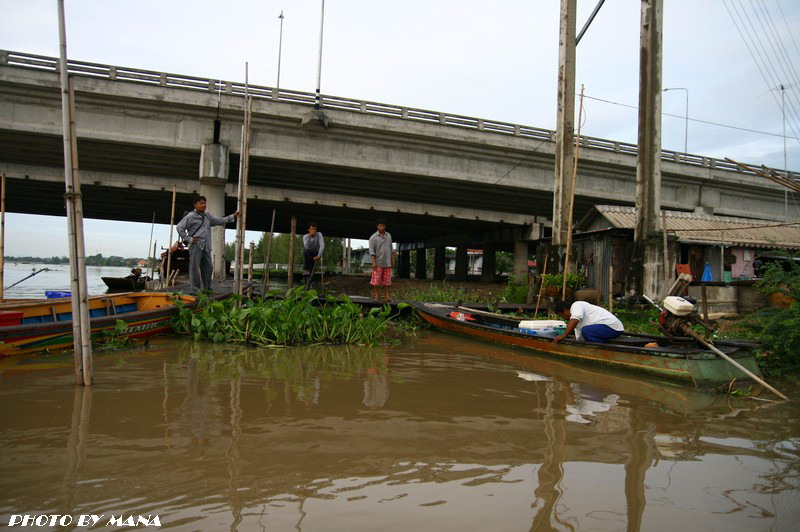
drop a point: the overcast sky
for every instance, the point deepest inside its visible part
(494, 60)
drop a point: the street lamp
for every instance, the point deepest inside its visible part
(318, 100)
(686, 134)
(280, 49)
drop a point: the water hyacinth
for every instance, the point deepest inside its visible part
(299, 318)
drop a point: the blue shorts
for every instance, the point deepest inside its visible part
(599, 333)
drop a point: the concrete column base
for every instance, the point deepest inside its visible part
(213, 178)
(420, 272)
(520, 267)
(440, 264)
(488, 274)
(404, 265)
(462, 264)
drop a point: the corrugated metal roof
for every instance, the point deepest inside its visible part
(700, 228)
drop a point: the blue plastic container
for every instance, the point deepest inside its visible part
(56, 294)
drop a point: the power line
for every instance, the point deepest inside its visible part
(697, 120)
(762, 59)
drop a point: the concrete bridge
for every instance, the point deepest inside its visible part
(439, 179)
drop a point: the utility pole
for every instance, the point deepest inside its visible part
(648, 166)
(565, 138)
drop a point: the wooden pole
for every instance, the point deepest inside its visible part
(244, 168)
(541, 284)
(611, 288)
(169, 249)
(666, 251)
(688, 330)
(81, 332)
(572, 201)
(149, 245)
(292, 229)
(155, 260)
(2, 234)
(265, 280)
(704, 300)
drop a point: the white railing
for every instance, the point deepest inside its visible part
(150, 77)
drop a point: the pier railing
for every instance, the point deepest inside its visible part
(178, 81)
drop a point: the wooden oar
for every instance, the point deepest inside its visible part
(688, 330)
(476, 311)
(541, 284)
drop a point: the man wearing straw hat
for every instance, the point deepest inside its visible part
(195, 231)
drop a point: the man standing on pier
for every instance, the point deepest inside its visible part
(382, 255)
(195, 231)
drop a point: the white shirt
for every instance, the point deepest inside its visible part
(588, 314)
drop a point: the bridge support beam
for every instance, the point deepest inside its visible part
(520, 266)
(213, 178)
(462, 264)
(421, 265)
(440, 264)
(489, 263)
(404, 265)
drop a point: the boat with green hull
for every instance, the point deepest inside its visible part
(681, 359)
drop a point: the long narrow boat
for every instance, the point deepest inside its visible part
(39, 325)
(680, 359)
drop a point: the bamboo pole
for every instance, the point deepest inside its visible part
(250, 263)
(80, 308)
(155, 260)
(541, 284)
(666, 250)
(292, 229)
(244, 168)
(572, 200)
(611, 288)
(2, 235)
(149, 245)
(265, 279)
(169, 249)
(688, 330)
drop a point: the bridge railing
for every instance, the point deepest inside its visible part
(151, 77)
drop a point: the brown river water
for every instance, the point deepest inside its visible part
(436, 433)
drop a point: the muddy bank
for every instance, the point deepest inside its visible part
(358, 285)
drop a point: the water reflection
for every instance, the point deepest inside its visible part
(435, 433)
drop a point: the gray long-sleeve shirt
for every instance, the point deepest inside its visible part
(381, 248)
(199, 225)
(316, 243)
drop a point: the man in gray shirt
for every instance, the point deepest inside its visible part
(382, 255)
(195, 231)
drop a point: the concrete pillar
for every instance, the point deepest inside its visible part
(565, 123)
(648, 165)
(489, 263)
(420, 272)
(462, 264)
(520, 268)
(440, 264)
(213, 177)
(404, 265)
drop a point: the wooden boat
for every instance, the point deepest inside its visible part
(39, 325)
(681, 359)
(125, 283)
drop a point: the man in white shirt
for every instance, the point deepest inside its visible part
(590, 322)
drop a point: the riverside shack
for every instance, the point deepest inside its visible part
(730, 246)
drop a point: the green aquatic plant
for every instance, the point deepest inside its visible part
(297, 318)
(113, 338)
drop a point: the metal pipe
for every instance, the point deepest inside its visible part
(280, 51)
(318, 100)
(589, 22)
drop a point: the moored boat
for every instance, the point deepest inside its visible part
(126, 283)
(39, 325)
(678, 358)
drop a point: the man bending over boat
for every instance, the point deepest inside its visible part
(590, 322)
(195, 231)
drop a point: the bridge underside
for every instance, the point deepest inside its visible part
(281, 183)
